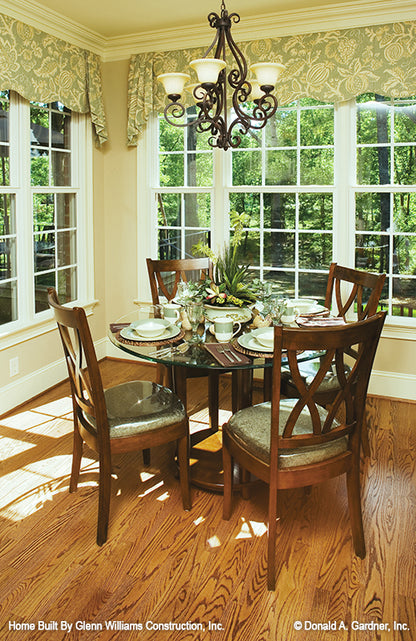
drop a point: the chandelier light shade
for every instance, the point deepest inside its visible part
(220, 88)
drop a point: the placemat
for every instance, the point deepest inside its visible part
(217, 351)
(139, 343)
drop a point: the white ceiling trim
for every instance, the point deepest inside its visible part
(336, 16)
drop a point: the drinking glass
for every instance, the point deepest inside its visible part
(195, 313)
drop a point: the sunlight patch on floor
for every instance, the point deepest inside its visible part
(214, 541)
(250, 529)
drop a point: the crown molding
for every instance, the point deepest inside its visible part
(342, 15)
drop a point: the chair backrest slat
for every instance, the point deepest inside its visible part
(165, 275)
(360, 283)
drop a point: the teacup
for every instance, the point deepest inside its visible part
(224, 328)
(289, 313)
(171, 311)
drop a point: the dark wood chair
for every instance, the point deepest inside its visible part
(164, 276)
(295, 442)
(127, 417)
(354, 295)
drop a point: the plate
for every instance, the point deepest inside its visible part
(313, 310)
(131, 335)
(238, 314)
(248, 341)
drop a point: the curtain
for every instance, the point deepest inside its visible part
(43, 68)
(328, 66)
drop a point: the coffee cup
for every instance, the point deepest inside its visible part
(289, 314)
(224, 328)
(171, 311)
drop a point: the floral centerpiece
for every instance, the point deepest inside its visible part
(232, 284)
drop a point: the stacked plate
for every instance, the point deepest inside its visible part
(259, 340)
(150, 329)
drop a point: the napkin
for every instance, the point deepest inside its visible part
(216, 350)
(318, 321)
(115, 327)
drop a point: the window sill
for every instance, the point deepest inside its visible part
(35, 329)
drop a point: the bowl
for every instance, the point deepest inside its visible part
(151, 327)
(264, 335)
(303, 305)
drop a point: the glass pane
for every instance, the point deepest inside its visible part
(316, 166)
(372, 252)
(404, 255)
(248, 203)
(317, 127)
(313, 286)
(170, 138)
(249, 250)
(279, 249)
(281, 167)
(169, 210)
(199, 169)
(284, 283)
(279, 211)
(169, 243)
(171, 170)
(7, 215)
(67, 284)
(405, 123)
(315, 250)
(281, 129)
(372, 212)
(65, 211)
(39, 167)
(197, 210)
(246, 167)
(61, 168)
(373, 166)
(405, 165)
(404, 212)
(4, 120)
(43, 212)
(44, 248)
(39, 125)
(7, 258)
(192, 237)
(61, 130)
(373, 121)
(404, 297)
(315, 211)
(67, 248)
(42, 282)
(4, 165)
(250, 140)
(8, 302)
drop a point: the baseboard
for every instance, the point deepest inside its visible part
(388, 384)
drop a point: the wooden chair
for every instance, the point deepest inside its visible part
(127, 417)
(291, 443)
(356, 295)
(164, 276)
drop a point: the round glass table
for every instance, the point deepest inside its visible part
(184, 358)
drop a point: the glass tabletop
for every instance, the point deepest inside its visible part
(175, 347)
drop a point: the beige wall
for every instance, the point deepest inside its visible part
(118, 265)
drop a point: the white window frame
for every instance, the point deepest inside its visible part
(30, 324)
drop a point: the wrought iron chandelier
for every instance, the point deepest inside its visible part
(210, 94)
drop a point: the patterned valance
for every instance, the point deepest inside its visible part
(329, 66)
(43, 68)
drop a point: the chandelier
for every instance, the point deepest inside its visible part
(214, 88)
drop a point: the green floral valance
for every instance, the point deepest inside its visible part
(43, 68)
(328, 66)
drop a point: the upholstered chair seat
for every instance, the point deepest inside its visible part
(252, 425)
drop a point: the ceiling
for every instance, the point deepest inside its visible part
(111, 19)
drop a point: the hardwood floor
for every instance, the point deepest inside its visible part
(162, 565)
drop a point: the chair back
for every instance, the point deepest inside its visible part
(353, 290)
(84, 374)
(343, 416)
(164, 275)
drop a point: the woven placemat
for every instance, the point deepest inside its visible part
(139, 343)
(250, 352)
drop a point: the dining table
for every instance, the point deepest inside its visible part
(180, 349)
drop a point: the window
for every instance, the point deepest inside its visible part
(42, 240)
(320, 183)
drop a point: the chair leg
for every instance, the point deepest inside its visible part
(76, 458)
(227, 463)
(354, 504)
(104, 491)
(271, 539)
(245, 480)
(146, 457)
(364, 439)
(183, 459)
(213, 400)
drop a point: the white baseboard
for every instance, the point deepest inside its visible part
(390, 384)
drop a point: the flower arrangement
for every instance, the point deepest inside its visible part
(233, 284)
